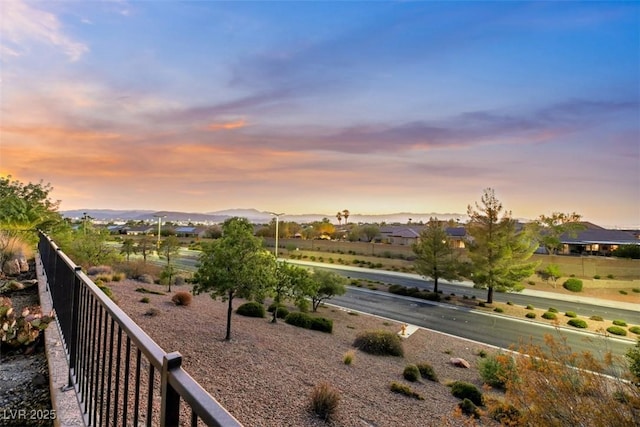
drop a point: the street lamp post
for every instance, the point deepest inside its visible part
(277, 215)
(159, 225)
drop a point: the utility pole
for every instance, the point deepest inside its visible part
(277, 215)
(159, 226)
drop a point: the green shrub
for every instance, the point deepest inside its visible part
(596, 318)
(427, 372)
(573, 285)
(147, 291)
(498, 310)
(633, 357)
(145, 300)
(106, 290)
(509, 303)
(617, 330)
(577, 323)
(609, 276)
(619, 323)
(530, 315)
(635, 330)
(282, 310)
(571, 314)
(530, 307)
(184, 298)
(469, 408)
(597, 276)
(251, 309)
(552, 310)
(348, 357)
(396, 387)
(464, 390)
(302, 320)
(411, 373)
(496, 369)
(506, 414)
(380, 342)
(636, 290)
(623, 292)
(548, 315)
(321, 324)
(324, 401)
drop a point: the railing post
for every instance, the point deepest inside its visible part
(73, 339)
(170, 408)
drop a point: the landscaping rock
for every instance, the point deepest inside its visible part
(459, 362)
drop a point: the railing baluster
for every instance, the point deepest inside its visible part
(136, 405)
(110, 375)
(103, 364)
(125, 393)
(150, 396)
(118, 367)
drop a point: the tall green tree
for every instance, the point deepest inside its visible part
(498, 252)
(551, 228)
(289, 279)
(371, 231)
(145, 246)
(435, 257)
(236, 265)
(169, 249)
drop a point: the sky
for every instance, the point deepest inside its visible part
(314, 107)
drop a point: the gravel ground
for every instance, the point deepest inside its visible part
(265, 374)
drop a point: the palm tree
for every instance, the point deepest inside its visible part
(345, 214)
(339, 217)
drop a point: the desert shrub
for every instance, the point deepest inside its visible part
(577, 323)
(498, 310)
(99, 269)
(482, 353)
(148, 291)
(609, 276)
(636, 290)
(324, 401)
(505, 413)
(548, 315)
(464, 390)
(509, 303)
(427, 372)
(496, 369)
(104, 278)
(623, 292)
(107, 291)
(596, 318)
(152, 312)
(348, 357)
(146, 278)
(145, 300)
(396, 387)
(571, 314)
(530, 315)
(619, 322)
(411, 373)
(573, 285)
(251, 309)
(302, 320)
(469, 408)
(617, 330)
(380, 342)
(552, 310)
(635, 330)
(179, 280)
(633, 357)
(597, 277)
(321, 324)
(530, 307)
(183, 298)
(116, 277)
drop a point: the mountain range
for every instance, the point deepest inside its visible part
(254, 215)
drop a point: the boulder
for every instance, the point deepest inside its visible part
(24, 265)
(11, 267)
(459, 362)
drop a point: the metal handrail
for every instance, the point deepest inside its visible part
(95, 330)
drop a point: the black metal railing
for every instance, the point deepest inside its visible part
(120, 375)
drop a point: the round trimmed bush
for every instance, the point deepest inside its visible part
(617, 330)
(529, 307)
(635, 330)
(530, 315)
(464, 390)
(577, 323)
(321, 324)
(426, 371)
(552, 310)
(411, 373)
(498, 310)
(469, 408)
(181, 298)
(299, 319)
(571, 314)
(251, 309)
(596, 318)
(548, 315)
(619, 323)
(383, 343)
(572, 284)
(282, 310)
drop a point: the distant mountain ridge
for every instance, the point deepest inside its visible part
(253, 215)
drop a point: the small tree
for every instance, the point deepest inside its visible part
(169, 248)
(498, 252)
(370, 231)
(551, 228)
(288, 280)
(435, 257)
(551, 273)
(633, 357)
(234, 265)
(128, 248)
(145, 246)
(323, 286)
